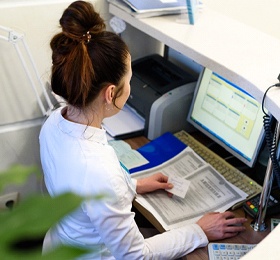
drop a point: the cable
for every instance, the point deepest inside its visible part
(271, 139)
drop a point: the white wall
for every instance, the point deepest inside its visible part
(38, 21)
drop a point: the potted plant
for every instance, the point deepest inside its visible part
(22, 228)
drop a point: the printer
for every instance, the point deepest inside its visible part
(161, 93)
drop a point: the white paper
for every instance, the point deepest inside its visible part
(125, 122)
(129, 157)
(209, 191)
(180, 186)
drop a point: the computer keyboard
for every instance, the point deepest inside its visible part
(231, 174)
(228, 251)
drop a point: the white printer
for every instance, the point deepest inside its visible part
(161, 93)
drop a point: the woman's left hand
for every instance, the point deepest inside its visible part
(157, 181)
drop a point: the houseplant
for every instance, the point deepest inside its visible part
(22, 229)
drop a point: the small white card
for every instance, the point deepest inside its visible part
(181, 186)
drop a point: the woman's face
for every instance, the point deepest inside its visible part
(121, 100)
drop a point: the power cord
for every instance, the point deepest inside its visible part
(271, 138)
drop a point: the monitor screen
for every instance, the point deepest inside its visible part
(228, 115)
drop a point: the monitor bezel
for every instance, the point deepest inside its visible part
(249, 163)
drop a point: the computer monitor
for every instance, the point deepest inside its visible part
(228, 115)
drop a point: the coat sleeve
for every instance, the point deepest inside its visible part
(115, 223)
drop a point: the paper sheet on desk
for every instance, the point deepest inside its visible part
(125, 122)
(209, 191)
(129, 157)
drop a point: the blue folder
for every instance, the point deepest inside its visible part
(159, 150)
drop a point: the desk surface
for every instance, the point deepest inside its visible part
(241, 53)
(249, 236)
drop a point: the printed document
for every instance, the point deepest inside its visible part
(208, 191)
(126, 155)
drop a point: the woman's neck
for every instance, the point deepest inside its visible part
(86, 116)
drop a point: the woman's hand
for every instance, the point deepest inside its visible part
(154, 182)
(221, 225)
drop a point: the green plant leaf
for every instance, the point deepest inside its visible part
(60, 253)
(22, 230)
(30, 220)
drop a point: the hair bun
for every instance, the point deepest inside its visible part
(80, 20)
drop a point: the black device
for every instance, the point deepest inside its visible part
(273, 205)
(153, 76)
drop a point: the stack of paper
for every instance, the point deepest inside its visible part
(150, 8)
(156, 5)
(206, 191)
(198, 187)
(126, 123)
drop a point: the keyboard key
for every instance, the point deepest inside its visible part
(228, 251)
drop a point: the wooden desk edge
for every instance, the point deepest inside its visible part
(150, 217)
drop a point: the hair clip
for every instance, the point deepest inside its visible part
(86, 37)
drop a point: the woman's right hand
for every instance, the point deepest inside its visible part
(221, 225)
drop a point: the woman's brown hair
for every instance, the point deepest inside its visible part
(86, 58)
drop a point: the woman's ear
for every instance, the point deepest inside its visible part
(109, 93)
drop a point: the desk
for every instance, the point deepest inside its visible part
(242, 54)
(249, 236)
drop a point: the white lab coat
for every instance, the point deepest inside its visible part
(78, 158)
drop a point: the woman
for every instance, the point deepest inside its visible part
(91, 71)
